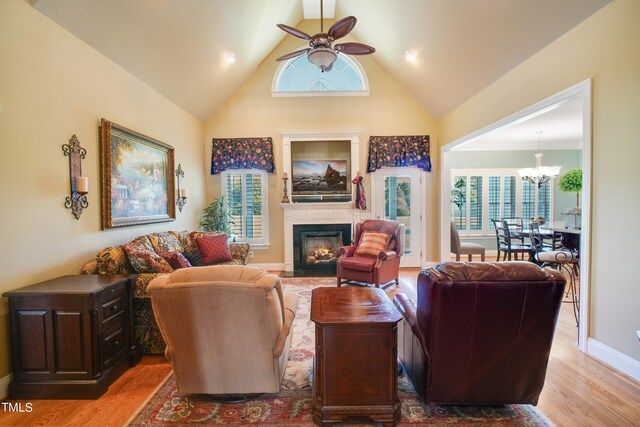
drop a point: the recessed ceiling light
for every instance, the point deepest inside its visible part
(230, 59)
(410, 56)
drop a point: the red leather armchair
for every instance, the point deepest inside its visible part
(380, 270)
(480, 333)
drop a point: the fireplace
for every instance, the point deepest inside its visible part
(315, 247)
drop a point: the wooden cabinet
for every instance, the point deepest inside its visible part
(71, 337)
(355, 366)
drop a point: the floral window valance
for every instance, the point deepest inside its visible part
(242, 153)
(394, 151)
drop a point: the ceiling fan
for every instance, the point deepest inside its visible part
(321, 52)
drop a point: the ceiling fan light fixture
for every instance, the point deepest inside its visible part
(321, 52)
(322, 57)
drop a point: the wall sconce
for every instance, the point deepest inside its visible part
(182, 192)
(79, 185)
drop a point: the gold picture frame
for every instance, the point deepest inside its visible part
(137, 178)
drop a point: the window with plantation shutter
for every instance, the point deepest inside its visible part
(245, 193)
(544, 200)
(528, 199)
(494, 198)
(481, 195)
(476, 207)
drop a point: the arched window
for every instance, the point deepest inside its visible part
(299, 77)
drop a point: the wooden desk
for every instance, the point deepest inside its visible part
(70, 336)
(355, 366)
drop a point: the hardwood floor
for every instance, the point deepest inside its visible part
(579, 390)
(114, 408)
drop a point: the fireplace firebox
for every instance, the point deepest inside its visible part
(315, 247)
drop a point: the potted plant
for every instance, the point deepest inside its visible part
(216, 217)
(571, 182)
(458, 195)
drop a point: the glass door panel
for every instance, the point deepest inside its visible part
(398, 190)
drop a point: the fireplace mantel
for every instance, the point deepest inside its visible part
(315, 213)
(319, 212)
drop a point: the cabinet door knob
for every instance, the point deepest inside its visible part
(116, 343)
(114, 307)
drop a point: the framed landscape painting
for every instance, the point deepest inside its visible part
(137, 178)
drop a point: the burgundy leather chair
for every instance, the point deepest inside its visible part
(480, 333)
(380, 270)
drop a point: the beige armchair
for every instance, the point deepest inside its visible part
(228, 328)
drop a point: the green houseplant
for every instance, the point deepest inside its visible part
(571, 182)
(216, 217)
(458, 195)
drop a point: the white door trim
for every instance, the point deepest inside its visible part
(376, 204)
(582, 90)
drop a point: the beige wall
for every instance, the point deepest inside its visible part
(52, 85)
(605, 48)
(253, 112)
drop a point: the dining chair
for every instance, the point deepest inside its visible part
(505, 243)
(460, 248)
(516, 227)
(562, 260)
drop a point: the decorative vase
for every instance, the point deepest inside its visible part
(572, 221)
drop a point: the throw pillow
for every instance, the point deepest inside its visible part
(141, 243)
(193, 254)
(112, 260)
(214, 249)
(175, 259)
(372, 243)
(165, 241)
(146, 261)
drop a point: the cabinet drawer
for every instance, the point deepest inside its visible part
(111, 303)
(113, 345)
(112, 308)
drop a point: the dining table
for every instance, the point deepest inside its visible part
(569, 237)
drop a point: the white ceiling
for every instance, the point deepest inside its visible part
(311, 9)
(178, 46)
(561, 126)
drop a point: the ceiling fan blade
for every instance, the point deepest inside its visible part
(293, 54)
(294, 32)
(342, 27)
(354, 48)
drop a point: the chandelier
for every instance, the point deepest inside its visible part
(539, 174)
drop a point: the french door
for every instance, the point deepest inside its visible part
(397, 195)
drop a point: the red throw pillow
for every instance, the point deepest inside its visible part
(175, 259)
(372, 243)
(214, 249)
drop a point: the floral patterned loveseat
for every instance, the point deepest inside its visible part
(115, 260)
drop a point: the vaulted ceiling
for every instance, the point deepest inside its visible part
(178, 47)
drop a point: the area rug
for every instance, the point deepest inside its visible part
(292, 406)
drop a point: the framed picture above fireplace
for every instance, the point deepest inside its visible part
(318, 176)
(313, 179)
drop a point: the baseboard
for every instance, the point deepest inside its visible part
(269, 266)
(614, 358)
(4, 386)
